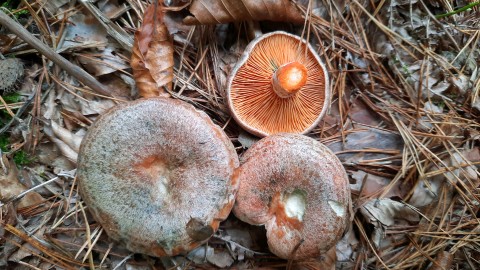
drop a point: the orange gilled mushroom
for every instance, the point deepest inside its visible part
(299, 190)
(278, 85)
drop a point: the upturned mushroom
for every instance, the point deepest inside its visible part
(299, 190)
(278, 85)
(157, 175)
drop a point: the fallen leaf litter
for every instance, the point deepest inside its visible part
(403, 120)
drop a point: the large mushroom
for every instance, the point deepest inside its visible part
(278, 85)
(157, 175)
(299, 190)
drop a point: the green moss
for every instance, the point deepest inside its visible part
(9, 98)
(21, 158)
(12, 97)
(4, 142)
(4, 117)
(12, 5)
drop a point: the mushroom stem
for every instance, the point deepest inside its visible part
(289, 78)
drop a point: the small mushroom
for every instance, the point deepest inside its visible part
(299, 190)
(157, 175)
(278, 85)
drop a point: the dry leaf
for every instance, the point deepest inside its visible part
(384, 212)
(361, 113)
(427, 190)
(152, 55)
(346, 246)
(67, 136)
(220, 258)
(66, 141)
(246, 139)
(11, 187)
(95, 107)
(371, 138)
(26, 248)
(443, 261)
(49, 154)
(103, 61)
(219, 12)
(370, 184)
(52, 6)
(134, 265)
(325, 261)
(83, 32)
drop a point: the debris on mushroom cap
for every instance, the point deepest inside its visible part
(299, 190)
(157, 174)
(278, 85)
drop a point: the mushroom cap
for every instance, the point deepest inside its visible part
(299, 190)
(157, 175)
(251, 96)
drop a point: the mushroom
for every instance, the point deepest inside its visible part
(299, 190)
(278, 85)
(157, 175)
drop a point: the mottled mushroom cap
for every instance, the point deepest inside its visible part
(299, 190)
(157, 175)
(252, 99)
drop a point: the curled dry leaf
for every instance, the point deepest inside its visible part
(218, 12)
(66, 141)
(152, 55)
(67, 136)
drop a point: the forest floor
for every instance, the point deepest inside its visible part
(403, 119)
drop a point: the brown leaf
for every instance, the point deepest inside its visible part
(152, 55)
(443, 261)
(10, 186)
(100, 62)
(83, 32)
(325, 261)
(218, 12)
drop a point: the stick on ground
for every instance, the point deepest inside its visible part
(70, 68)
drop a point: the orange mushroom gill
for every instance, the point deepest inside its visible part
(280, 87)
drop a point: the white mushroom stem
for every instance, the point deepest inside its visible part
(289, 78)
(295, 204)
